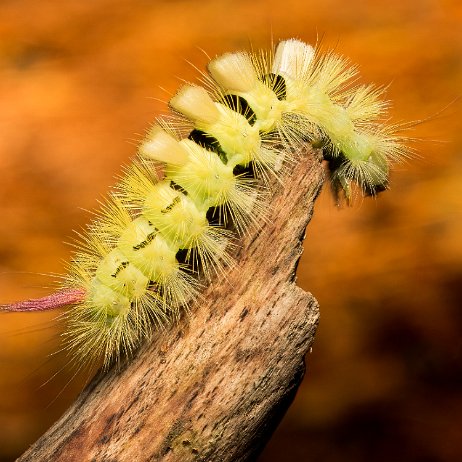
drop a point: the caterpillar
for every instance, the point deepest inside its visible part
(200, 180)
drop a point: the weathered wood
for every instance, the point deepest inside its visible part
(215, 386)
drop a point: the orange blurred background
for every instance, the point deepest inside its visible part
(79, 85)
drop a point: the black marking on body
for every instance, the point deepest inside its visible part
(337, 160)
(208, 142)
(149, 238)
(177, 187)
(155, 287)
(245, 170)
(170, 207)
(277, 83)
(192, 259)
(240, 105)
(213, 216)
(181, 255)
(122, 266)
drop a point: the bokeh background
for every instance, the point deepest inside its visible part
(79, 85)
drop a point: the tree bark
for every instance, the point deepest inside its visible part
(213, 387)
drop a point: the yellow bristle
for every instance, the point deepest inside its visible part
(292, 58)
(162, 147)
(234, 72)
(195, 104)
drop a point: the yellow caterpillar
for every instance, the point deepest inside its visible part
(161, 235)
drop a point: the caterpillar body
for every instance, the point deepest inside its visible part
(164, 232)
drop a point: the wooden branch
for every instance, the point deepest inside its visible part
(214, 387)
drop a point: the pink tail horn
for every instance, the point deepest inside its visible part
(50, 302)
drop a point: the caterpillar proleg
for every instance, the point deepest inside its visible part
(200, 181)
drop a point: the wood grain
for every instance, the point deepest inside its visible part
(213, 387)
